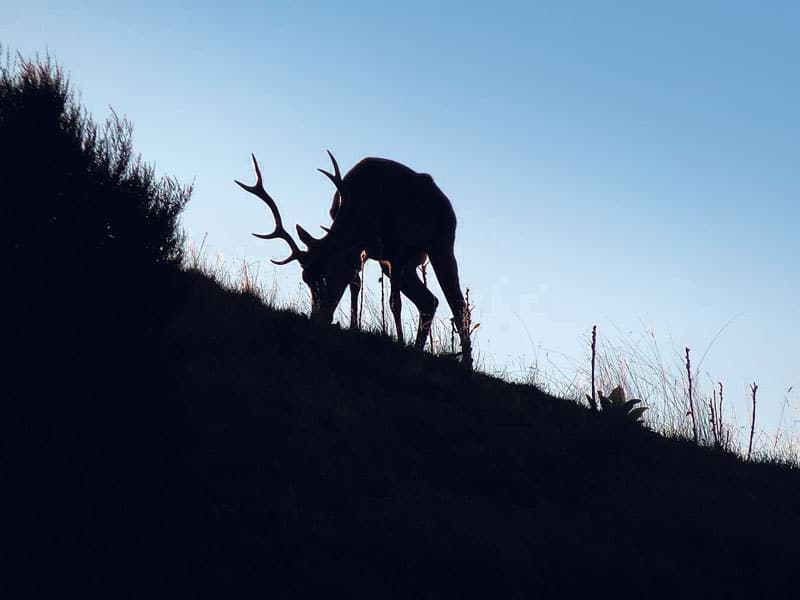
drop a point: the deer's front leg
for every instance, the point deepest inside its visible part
(355, 289)
(395, 303)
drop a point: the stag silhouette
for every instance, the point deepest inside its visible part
(389, 213)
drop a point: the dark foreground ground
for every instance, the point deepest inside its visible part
(218, 448)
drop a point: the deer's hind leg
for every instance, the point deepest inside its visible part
(424, 300)
(446, 269)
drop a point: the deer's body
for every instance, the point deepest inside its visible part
(396, 216)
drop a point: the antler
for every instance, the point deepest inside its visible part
(336, 178)
(280, 232)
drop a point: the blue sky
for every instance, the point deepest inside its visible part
(629, 164)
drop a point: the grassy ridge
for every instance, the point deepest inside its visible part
(248, 450)
(325, 461)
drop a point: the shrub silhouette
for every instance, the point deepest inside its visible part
(88, 229)
(91, 246)
(74, 195)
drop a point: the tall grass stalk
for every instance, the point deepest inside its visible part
(753, 390)
(593, 399)
(721, 396)
(691, 395)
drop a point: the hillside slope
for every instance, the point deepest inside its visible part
(257, 453)
(163, 437)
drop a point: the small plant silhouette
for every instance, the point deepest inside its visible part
(615, 406)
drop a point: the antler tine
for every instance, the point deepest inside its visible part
(336, 170)
(332, 178)
(279, 233)
(336, 177)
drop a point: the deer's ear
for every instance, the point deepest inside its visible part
(305, 237)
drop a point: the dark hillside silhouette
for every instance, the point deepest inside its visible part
(90, 253)
(163, 437)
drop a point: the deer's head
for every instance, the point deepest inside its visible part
(327, 267)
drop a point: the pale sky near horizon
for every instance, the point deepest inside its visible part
(628, 164)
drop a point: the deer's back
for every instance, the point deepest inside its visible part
(394, 209)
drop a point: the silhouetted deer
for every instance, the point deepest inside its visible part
(394, 215)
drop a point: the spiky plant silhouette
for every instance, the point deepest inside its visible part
(616, 407)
